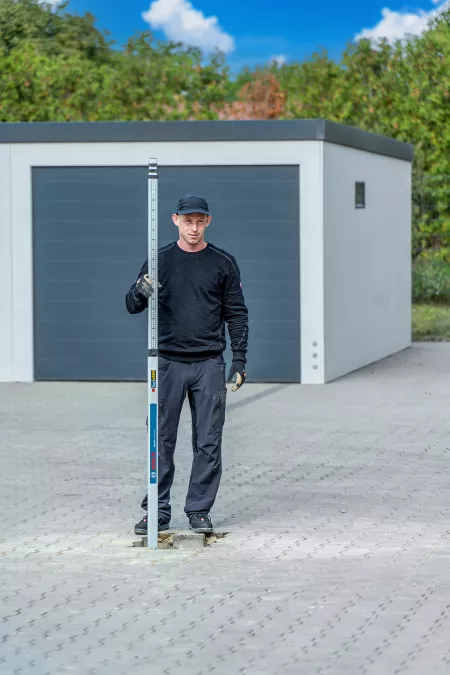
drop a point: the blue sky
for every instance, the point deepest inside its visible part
(253, 32)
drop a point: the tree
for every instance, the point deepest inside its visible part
(51, 31)
(58, 66)
(261, 98)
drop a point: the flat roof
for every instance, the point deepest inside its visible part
(210, 130)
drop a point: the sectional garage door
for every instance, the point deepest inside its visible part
(90, 239)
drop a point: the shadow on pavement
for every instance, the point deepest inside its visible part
(256, 397)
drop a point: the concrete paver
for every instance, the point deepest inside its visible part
(335, 500)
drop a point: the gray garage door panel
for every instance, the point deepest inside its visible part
(90, 238)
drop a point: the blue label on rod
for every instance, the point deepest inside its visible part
(153, 421)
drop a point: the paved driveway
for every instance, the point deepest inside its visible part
(336, 503)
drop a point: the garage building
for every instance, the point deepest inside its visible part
(317, 214)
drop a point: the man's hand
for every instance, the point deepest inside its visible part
(238, 369)
(144, 286)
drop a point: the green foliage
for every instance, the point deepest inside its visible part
(312, 88)
(166, 81)
(431, 278)
(58, 66)
(430, 322)
(51, 32)
(431, 215)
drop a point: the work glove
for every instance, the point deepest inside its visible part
(238, 369)
(144, 286)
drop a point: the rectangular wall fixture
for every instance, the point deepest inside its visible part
(360, 195)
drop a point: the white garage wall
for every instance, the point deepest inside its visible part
(6, 336)
(367, 259)
(17, 364)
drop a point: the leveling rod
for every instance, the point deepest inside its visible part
(152, 374)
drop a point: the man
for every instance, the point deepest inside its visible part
(199, 290)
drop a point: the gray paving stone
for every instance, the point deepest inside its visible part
(335, 501)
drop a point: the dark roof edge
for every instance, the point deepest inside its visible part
(197, 131)
(357, 138)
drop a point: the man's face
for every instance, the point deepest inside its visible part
(192, 226)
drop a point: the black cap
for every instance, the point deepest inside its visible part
(192, 204)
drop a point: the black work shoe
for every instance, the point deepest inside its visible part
(200, 522)
(141, 528)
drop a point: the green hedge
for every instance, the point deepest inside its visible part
(431, 280)
(431, 323)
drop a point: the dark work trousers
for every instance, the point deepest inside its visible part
(204, 382)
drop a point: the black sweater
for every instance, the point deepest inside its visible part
(197, 293)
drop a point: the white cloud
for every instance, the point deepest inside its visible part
(280, 59)
(52, 3)
(182, 23)
(398, 25)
